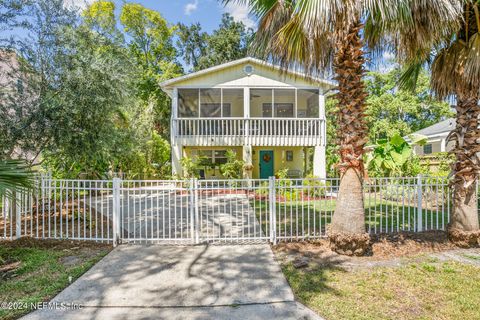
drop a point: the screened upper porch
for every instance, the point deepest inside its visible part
(248, 103)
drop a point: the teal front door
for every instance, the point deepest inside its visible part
(266, 164)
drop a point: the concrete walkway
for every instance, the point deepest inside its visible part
(182, 282)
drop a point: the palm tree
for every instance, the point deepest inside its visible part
(320, 36)
(317, 37)
(454, 58)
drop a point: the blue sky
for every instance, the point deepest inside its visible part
(207, 12)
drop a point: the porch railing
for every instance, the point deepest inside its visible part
(257, 131)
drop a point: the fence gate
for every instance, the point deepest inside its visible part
(191, 211)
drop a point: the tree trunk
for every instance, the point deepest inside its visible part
(347, 230)
(349, 214)
(464, 224)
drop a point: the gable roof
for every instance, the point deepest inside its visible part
(444, 126)
(171, 82)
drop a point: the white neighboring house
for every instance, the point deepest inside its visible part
(436, 138)
(267, 117)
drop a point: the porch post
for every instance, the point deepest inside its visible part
(246, 116)
(443, 145)
(177, 153)
(247, 158)
(319, 163)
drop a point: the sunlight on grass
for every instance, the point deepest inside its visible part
(417, 291)
(42, 271)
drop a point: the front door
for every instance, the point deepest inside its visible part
(266, 164)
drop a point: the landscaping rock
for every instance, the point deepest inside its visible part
(301, 262)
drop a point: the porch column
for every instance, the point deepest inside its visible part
(177, 154)
(319, 163)
(443, 145)
(246, 116)
(247, 158)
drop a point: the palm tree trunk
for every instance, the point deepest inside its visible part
(347, 230)
(464, 224)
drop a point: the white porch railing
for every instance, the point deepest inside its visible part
(253, 131)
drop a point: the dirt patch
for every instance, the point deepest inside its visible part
(385, 250)
(25, 242)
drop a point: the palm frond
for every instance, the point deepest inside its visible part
(15, 176)
(409, 78)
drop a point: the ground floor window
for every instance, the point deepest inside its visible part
(213, 157)
(427, 149)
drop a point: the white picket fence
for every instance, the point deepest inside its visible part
(215, 211)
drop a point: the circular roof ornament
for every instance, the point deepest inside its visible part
(248, 69)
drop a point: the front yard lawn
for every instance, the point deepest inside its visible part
(419, 287)
(34, 271)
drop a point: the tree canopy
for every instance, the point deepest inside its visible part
(202, 50)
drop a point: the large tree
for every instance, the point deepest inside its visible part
(455, 63)
(202, 50)
(84, 106)
(393, 110)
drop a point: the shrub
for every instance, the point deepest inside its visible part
(314, 187)
(233, 168)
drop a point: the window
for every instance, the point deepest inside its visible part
(213, 156)
(232, 100)
(308, 103)
(210, 103)
(188, 103)
(289, 155)
(284, 103)
(282, 110)
(427, 149)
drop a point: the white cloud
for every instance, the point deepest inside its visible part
(191, 7)
(239, 12)
(77, 4)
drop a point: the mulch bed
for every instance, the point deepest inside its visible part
(384, 247)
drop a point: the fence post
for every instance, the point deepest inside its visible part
(419, 204)
(272, 209)
(116, 217)
(191, 197)
(16, 212)
(195, 208)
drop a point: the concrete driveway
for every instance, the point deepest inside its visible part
(182, 282)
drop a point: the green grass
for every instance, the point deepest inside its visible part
(42, 271)
(296, 217)
(416, 291)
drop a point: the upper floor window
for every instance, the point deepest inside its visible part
(308, 103)
(208, 103)
(284, 103)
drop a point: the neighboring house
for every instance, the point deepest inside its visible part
(267, 117)
(436, 138)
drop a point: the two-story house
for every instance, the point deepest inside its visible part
(269, 118)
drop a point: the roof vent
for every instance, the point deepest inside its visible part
(248, 69)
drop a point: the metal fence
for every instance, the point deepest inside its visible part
(216, 211)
